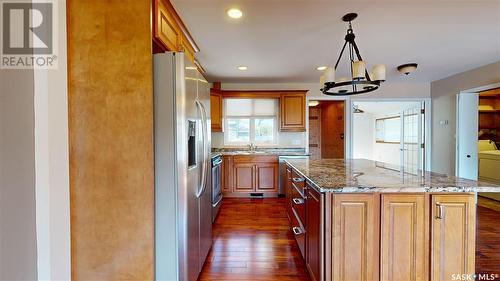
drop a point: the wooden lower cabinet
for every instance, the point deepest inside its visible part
(313, 233)
(250, 174)
(244, 177)
(227, 179)
(384, 236)
(355, 237)
(404, 247)
(266, 177)
(452, 236)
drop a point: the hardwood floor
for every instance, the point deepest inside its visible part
(252, 241)
(488, 241)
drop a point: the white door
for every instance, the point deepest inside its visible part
(412, 139)
(467, 125)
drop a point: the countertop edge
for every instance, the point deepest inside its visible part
(426, 189)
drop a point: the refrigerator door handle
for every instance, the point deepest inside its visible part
(203, 136)
(205, 145)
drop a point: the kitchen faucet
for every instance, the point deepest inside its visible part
(252, 147)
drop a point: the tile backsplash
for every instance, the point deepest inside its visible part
(285, 140)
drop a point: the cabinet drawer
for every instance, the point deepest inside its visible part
(299, 233)
(298, 204)
(298, 181)
(255, 158)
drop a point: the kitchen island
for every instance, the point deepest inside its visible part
(365, 220)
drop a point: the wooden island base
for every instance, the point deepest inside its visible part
(382, 236)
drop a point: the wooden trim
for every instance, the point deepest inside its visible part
(181, 24)
(200, 68)
(266, 94)
(488, 93)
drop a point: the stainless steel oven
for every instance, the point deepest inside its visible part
(216, 185)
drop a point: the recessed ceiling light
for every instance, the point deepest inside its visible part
(321, 68)
(242, 67)
(234, 13)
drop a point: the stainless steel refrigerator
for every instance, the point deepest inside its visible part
(183, 209)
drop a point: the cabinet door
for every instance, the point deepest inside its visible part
(453, 236)
(216, 111)
(355, 237)
(244, 180)
(293, 112)
(313, 224)
(404, 248)
(227, 164)
(166, 29)
(267, 177)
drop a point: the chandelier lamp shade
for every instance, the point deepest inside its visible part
(361, 81)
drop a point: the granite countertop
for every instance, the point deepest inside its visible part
(361, 175)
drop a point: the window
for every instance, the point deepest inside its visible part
(388, 130)
(250, 121)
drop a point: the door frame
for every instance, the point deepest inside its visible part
(428, 123)
(347, 119)
(458, 125)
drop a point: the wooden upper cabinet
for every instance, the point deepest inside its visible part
(355, 237)
(166, 29)
(169, 32)
(404, 249)
(453, 236)
(293, 112)
(216, 108)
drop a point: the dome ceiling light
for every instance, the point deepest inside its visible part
(407, 68)
(361, 81)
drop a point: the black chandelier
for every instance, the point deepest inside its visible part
(361, 80)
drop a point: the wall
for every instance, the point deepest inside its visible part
(387, 153)
(443, 94)
(363, 137)
(389, 90)
(52, 163)
(364, 145)
(111, 140)
(285, 139)
(17, 176)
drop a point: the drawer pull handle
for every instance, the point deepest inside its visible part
(298, 201)
(296, 230)
(440, 211)
(297, 179)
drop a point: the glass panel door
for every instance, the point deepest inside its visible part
(412, 139)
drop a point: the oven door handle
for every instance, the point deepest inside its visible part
(218, 202)
(218, 162)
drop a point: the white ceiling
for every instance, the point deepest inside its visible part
(284, 40)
